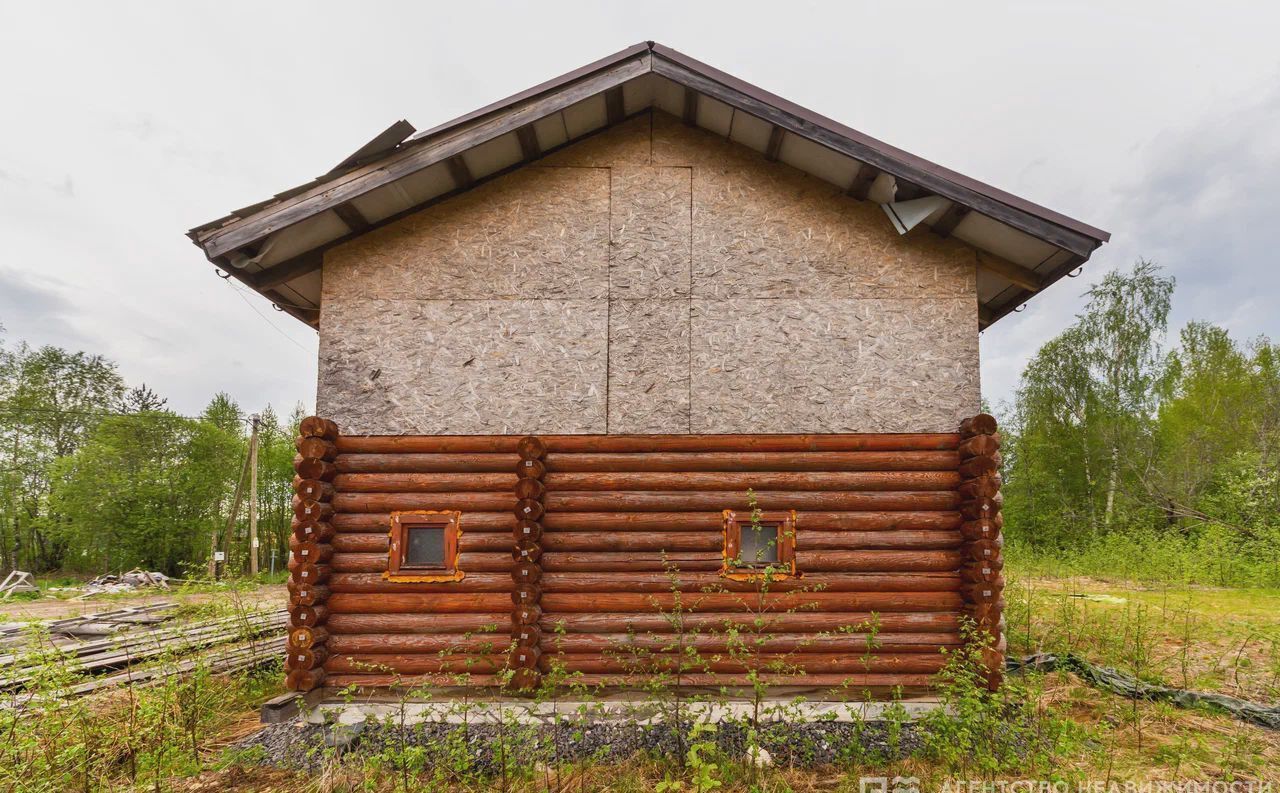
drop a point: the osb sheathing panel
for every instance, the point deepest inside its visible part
(746, 297)
(649, 366)
(466, 366)
(534, 233)
(768, 230)
(800, 365)
(650, 223)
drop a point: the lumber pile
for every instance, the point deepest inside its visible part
(102, 623)
(91, 656)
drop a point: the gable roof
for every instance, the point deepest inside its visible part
(276, 246)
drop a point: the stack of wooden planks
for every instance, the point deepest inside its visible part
(224, 643)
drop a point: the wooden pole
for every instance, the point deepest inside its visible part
(253, 498)
(231, 522)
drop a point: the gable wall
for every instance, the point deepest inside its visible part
(652, 279)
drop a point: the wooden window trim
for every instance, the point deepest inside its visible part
(401, 522)
(786, 564)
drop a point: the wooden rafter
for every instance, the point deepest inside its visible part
(615, 108)
(690, 115)
(461, 174)
(950, 219)
(774, 148)
(529, 146)
(351, 216)
(1015, 274)
(860, 188)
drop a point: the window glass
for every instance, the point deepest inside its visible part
(424, 546)
(759, 544)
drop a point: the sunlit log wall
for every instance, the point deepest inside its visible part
(581, 554)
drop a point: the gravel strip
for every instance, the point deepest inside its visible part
(482, 747)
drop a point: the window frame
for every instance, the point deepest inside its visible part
(401, 522)
(785, 567)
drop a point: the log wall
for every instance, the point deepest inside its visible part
(582, 553)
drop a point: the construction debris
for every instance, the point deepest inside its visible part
(125, 582)
(18, 581)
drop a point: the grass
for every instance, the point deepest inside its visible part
(1045, 727)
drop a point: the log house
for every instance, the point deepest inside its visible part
(644, 340)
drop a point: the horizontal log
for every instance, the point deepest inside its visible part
(808, 561)
(866, 540)
(308, 658)
(307, 616)
(978, 445)
(307, 510)
(425, 463)
(496, 623)
(632, 541)
(312, 468)
(740, 481)
(381, 521)
(403, 602)
(713, 521)
(411, 664)
(424, 483)
(306, 637)
(803, 663)
(305, 679)
(979, 508)
(307, 572)
(752, 443)
(721, 642)
(553, 603)
(981, 424)
(388, 502)
(314, 552)
(485, 562)
(418, 444)
(529, 488)
(753, 461)
(468, 562)
(853, 686)
(675, 501)
(624, 643)
(374, 582)
(782, 622)
(982, 487)
(713, 581)
(312, 530)
(975, 467)
(308, 594)
(631, 561)
(531, 447)
(313, 489)
(316, 427)
(316, 448)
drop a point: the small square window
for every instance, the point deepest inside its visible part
(424, 546)
(755, 542)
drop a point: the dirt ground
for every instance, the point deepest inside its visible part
(53, 608)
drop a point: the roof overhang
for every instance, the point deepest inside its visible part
(276, 246)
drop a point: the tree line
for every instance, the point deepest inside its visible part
(97, 476)
(1125, 453)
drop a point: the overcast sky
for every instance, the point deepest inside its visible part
(125, 124)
